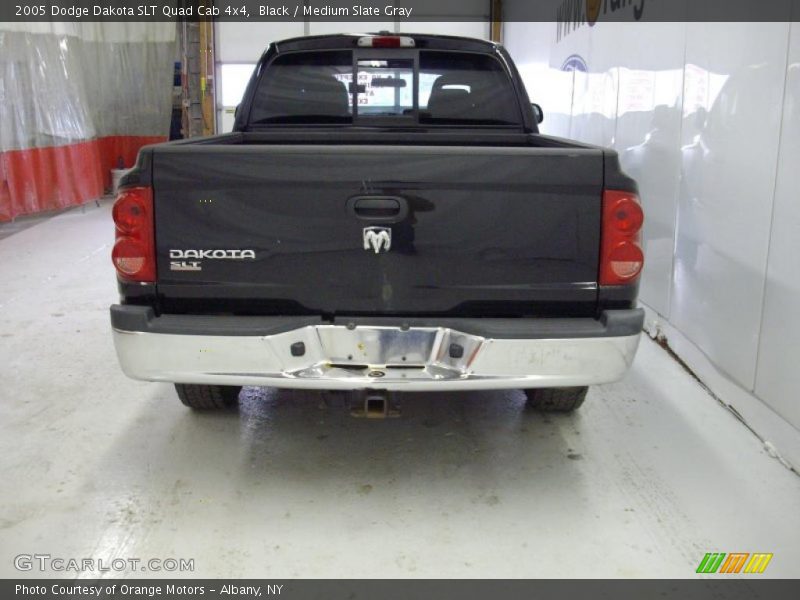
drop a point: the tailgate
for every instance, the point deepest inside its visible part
(356, 229)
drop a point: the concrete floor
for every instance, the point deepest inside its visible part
(648, 477)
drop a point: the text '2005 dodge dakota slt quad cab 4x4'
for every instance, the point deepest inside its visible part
(384, 217)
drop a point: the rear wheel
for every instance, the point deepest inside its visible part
(208, 397)
(564, 399)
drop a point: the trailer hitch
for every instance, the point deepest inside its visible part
(374, 404)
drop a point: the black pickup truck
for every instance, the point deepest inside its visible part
(385, 216)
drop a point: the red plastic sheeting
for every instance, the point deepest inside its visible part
(56, 177)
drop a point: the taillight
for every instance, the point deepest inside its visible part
(621, 256)
(134, 253)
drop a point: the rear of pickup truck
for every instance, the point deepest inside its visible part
(385, 216)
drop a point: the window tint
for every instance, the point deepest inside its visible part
(455, 88)
(385, 86)
(305, 87)
(465, 88)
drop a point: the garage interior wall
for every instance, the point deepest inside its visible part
(76, 100)
(706, 116)
(239, 45)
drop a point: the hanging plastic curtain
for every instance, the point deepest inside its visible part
(76, 100)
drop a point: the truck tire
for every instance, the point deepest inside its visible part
(564, 399)
(208, 397)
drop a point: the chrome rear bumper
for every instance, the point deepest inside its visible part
(376, 355)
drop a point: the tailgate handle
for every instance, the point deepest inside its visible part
(390, 209)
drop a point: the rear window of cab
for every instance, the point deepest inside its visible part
(328, 87)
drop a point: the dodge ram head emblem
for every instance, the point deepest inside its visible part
(377, 239)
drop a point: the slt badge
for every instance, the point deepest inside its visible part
(377, 238)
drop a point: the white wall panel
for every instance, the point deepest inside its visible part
(727, 187)
(328, 27)
(648, 136)
(466, 28)
(697, 122)
(778, 377)
(439, 11)
(594, 103)
(596, 91)
(225, 119)
(245, 42)
(530, 45)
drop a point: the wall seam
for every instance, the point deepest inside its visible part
(671, 287)
(616, 107)
(774, 199)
